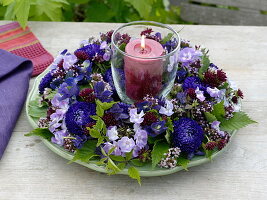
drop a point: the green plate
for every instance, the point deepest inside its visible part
(144, 171)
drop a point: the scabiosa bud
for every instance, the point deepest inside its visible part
(211, 145)
(235, 99)
(240, 94)
(149, 118)
(222, 143)
(81, 54)
(215, 78)
(87, 95)
(191, 93)
(187, 135)
(109, 119)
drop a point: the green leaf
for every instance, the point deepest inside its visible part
(183, 162)
(219, 111)
(79, 1)
(134, 174)
(117, 158)
(210, 117)
(99, 111)
(85, 153)
(21, 10)
(121, 166)
(35, 110)
(160, 147)
(205, 65)
(166, 38)
(239, 120)
(112, 168)
(137, 162)
(7, 2)
(128, 156)
(94, 133)
(143, 7)
(41, 132)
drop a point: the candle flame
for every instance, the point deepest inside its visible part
(143, 45)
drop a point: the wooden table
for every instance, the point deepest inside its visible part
(28, 170)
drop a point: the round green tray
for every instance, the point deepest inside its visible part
(144, 171)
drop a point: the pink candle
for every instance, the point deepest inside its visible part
(143, 76)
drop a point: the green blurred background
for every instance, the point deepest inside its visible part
(90, 10)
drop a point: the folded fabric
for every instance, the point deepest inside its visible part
(15, 73)
(24, 43)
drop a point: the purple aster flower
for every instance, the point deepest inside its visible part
(68, 89)
(188, 56)
(78, 115)
(112, 133)
(181, 75)
(168, 109)
(45, 82)
(140, 138)
(193, 82)
(135, 117)
(126, 144)
(200, 94)
(89, 51)
(58, 137)
(158, 128)
(101, 93)
(109, 145)
(69, 61)
(187, 135)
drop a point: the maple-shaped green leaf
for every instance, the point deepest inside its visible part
(160, 147)
(6, 2)
(239, 120)
(134, 173)
(85, 153)
(21, 10)
(219, 111)
(41, 132)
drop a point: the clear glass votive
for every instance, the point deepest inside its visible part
(148, 67)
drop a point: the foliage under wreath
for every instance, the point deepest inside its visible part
(78, 108)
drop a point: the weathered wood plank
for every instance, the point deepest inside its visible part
(250, 4)
(212, 15)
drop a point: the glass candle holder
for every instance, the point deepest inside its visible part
(144, 60)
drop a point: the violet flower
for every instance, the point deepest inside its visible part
(68, 89)
(69, 60)
(168, 109)
(200, 94)
(58, 137)
(188, 56)
(109, 145)
(135, 117)
(158, 128)
(118, 111)
(101, 93)
(126, 144)
(112, 133)
(140, 138)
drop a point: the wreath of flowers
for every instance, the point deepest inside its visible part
(79, 109)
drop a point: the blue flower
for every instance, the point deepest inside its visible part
(145, 106)
(181, 97)
(69, 88)
(181, 75)
(102, 94)
(45, 82)
(156, 128)
(193, 82)
(89, 51)
(109, 78)
(79, 141)
(78, 115)
(119, 111)
(187, 135)
(170, 45)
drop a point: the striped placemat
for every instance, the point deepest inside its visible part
(24, 43)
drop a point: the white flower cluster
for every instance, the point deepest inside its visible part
(170, 161)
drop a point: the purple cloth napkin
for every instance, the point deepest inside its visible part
(15, 73)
